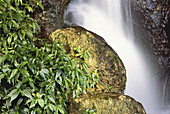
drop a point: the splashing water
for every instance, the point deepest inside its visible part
(104, 17)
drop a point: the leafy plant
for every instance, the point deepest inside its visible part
(87, 111)
(36, 77)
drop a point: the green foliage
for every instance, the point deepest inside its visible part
(36, 78)
(87, 111)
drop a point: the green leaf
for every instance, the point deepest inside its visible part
(44, 83)
(66, 83)
(24, 63)
(29, 8)
(60, 108)
(51, 99)
(41, 102)
(13, 94)
(24, 79)
(14, 72)
(31, 83)
(30, 66)
(15, 24)
(52, 107)
(3, 58)
(58, 73)
(5, 28)
(28, 101)
(29, 34)
(12, 8)
(41, 6)
(43, 75)
(19, 101)
(60, 81)
(74, 93)
(32, 104)
(9, 40)
(20, 1)
(2, 76)
(5, 45)
(45, 71)
(8, 1)
(27, 94)
(24, 72)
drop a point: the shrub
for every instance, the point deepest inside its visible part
(36, 78)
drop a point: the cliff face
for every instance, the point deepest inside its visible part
(151, 27)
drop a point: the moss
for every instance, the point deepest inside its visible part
(102, 57)
(107, 103)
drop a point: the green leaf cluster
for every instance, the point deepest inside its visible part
(36, 76)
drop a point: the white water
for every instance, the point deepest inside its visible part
(104, 18)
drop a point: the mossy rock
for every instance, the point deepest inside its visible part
(102, 57)
(106, 103)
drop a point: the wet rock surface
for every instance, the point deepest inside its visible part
(102, 57)
(106, 103)
(151, 27)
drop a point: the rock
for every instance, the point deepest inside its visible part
(106, 103)
(52, 17)
(152, 33)
(102, 57)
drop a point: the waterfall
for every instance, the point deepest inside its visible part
(104, 17)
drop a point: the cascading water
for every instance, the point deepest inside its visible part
(104, 17)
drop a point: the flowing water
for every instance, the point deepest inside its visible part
(104, 17)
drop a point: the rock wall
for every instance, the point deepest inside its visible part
(150, 22)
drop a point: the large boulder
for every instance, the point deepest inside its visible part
(106, 103)
(102, 57)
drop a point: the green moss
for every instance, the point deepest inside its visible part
(102, 57)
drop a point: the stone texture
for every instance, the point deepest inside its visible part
(106, 103)
(154, 35)
(102, 57)
(51, 18)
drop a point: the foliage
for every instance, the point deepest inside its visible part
(87, 111)
(36, 78)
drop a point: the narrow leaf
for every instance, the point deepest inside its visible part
(13, 94)
(32, 104)
(2, 76)
(24, 72)
(19, 101)
(30, 66)
(43, 75)
(51, 99)
(27, 94)
(41, 102)
(3, 58)
(45, 71)
(14, 72)
(58, 73)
